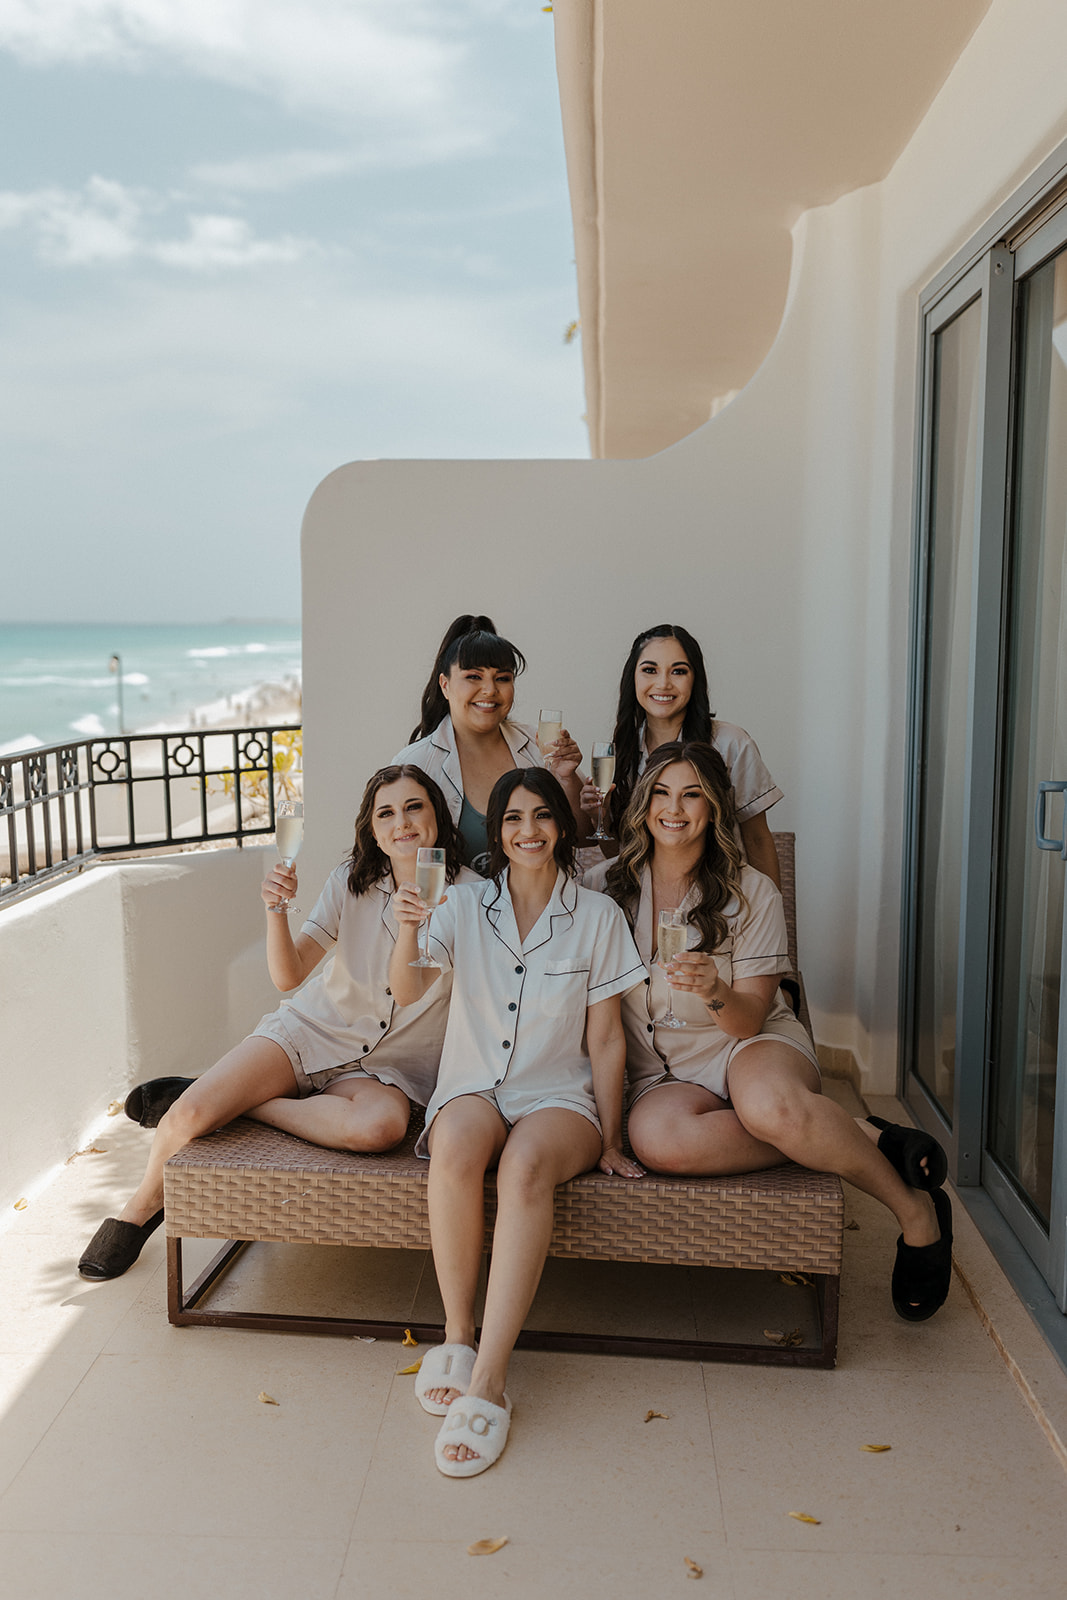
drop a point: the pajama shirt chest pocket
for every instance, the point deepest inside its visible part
(565, 987)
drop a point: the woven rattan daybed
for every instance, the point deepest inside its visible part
(250, 1183)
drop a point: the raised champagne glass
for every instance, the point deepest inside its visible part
(672, 932)
(288, 837)
(549, 728)
(430, 882)
(603, 778)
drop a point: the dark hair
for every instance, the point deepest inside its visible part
(368, 862)
(628, 718)
(469, 642)
(547, 787)
(717, 874)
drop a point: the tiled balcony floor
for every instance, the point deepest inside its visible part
(137, 1463)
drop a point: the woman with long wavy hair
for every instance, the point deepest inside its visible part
(663, 697)
(340, 1064)
(736, 1088)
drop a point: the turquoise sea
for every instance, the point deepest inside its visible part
(55, 681)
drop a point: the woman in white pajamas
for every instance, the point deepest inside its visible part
(737, 1089)
(531, 1082)
(663, 696)
(466, 740)
(340, 1063)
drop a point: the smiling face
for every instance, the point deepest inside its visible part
(678, 812)
(528, 831)
(663, 678)
(479, 698)
(402, 820)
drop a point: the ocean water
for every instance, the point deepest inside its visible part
(55, 682)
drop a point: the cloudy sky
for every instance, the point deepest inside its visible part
(244, 241)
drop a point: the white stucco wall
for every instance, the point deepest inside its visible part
(125, 972)
(780, 534)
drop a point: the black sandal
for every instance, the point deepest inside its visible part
(150, 1102)
(115, 1246)
(905, 1148)
(922, 1273)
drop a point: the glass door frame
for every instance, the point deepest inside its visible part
(989, 280)
(993, 274)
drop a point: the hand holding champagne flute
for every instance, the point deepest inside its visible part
(603, 778)
(549, 728)
(430, 882)
(673, 934)
(288, 836)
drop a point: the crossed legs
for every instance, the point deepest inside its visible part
(255, 1079)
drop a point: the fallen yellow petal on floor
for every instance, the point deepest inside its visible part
(115, 1107)
(409, 1340)
(798, 1280)
(802, 1516)
(788, 1340)
(665, 1416)
(876, 1449)
(267, 1399)
(405, 1372)
(486, 1547)
(692, 1570)
(20, 1205)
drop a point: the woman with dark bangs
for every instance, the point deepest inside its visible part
(340, 1064)
(663, 697)
(465, 739)
(531, 1082)
(737, 1088)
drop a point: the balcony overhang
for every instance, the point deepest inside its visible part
(696, 134)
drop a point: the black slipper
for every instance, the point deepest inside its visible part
(152, 1100)
(115, 1246)
(922, 1273)
(906, 1147)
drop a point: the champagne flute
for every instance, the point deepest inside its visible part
(288, 836)
(430, 882)
(673, 931)
(603, 778)
(549, 728)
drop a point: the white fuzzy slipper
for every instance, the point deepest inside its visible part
(444, 1366)
(478, 1424)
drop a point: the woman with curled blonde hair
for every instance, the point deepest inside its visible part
(735, 1086)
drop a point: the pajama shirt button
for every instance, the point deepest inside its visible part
(383, 1024)
(651, 1029)
(506, 1043)
(519, 971)
(512, 1006)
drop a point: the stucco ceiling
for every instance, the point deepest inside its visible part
(697, 131)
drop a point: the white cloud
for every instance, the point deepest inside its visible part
(350, 60)
(108, 222)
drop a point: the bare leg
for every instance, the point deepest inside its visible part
(775, 1093)
(466, 1139)
(683, 1128)
(542, 1151)
(353, 1114)
(252, 1071)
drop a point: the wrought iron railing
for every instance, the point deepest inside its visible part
(71, 803)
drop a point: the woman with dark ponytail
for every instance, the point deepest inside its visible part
(663, 697)
(465, 739)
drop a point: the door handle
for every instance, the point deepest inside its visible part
(1043, 843)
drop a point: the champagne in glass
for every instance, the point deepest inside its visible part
(603, 778)
(288, 836)
(549, 728)
(430, 882)
(672, 934)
